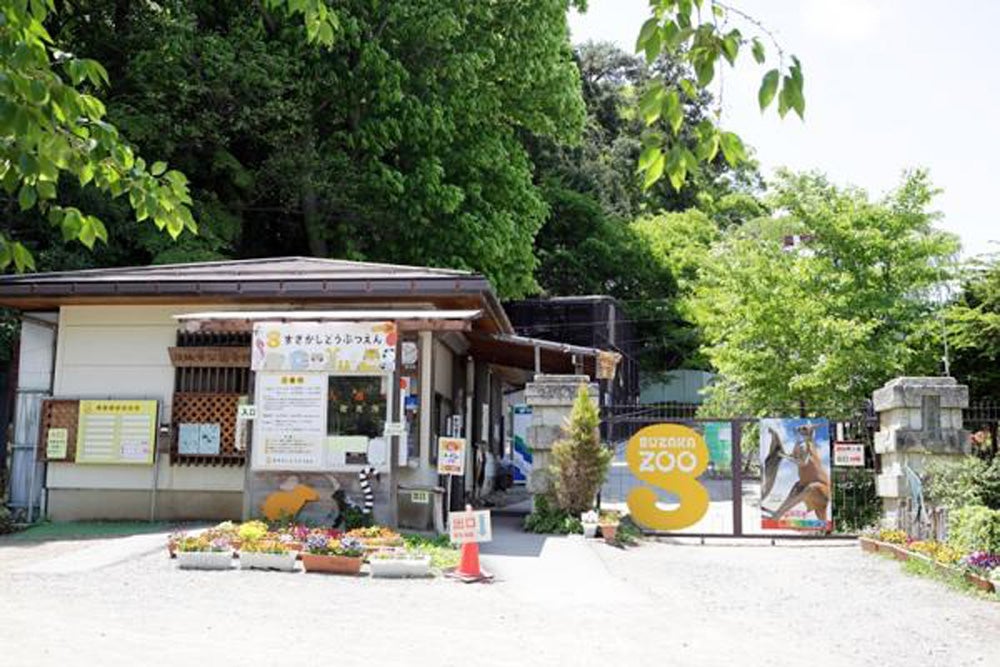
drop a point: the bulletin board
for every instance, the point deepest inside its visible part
(116, 432)
(57, 414)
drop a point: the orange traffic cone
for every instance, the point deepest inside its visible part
(468, 569)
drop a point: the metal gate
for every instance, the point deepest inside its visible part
(26, 471)
(733, 477)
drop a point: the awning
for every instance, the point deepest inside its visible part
(412, 320)
(542, 355)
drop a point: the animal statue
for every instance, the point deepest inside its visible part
(813, 486)
(287, 503)
(365, 479)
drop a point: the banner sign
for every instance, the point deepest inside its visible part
(290, 428)
(451, 456)
(466, 527)
(796, 492)
(340, 348)
(116, 432)
(521, 455)
(719, 438)
(669, 457)
(849, 454)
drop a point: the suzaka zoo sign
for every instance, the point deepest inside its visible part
(669, 457)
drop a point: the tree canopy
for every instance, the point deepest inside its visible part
(819, 304)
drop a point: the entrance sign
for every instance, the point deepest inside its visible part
(465, 527)
(246, 411)
(290, 429)
(795, 474)
(669, 457)
(56, 443)
(849, 454)
(341, 348)
(116, 432)
(451, 456)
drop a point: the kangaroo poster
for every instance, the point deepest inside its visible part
(796, 492)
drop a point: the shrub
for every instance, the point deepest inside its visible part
(974, 528)
(6, 521)
(579, 461)
(963, 482)
(548, 519)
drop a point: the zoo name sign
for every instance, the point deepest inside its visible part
(670, 457)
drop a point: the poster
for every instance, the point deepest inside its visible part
(521, 454)
(451, 456)
(116, 432)
(796, 491)
(719, 438)
(290, 428)
(188, 439)
(344, 348)
(56, 444)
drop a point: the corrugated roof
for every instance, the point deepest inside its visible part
(272, 268)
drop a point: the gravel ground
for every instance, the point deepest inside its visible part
(556, 600)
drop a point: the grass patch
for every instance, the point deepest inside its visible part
(918, 567)
(439, 547)
(81, 530)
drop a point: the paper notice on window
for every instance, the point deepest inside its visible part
(290, 429)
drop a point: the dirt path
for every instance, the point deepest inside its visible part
(556, 601)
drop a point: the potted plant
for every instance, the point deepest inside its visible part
(608, 522)
(376, 537)
(334, 555)
(206, 551)
(589, 519)
(267, 553)
(399, 563)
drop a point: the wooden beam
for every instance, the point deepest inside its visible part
(434, 325)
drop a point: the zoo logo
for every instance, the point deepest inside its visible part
(273, 338)
(670, 457)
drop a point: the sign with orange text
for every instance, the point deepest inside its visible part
(466, 527)
(451, 456)
(669, 457)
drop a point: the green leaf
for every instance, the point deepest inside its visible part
(674, 111)
(655, 170)
(649, 28)
(704, 69)
(46, 189)
(87, 234)
(22, 257)
(768, 87)
(731, 46)
(757, 48)
(689, 89)
(651, 103)
(648, 155)
(158, 168)
(27, 197)
(732, 148)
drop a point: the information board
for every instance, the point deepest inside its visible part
(344, 348)
(116, 432)
(290, 428)
(466, 527)
(849, 454)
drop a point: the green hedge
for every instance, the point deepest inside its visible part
(975, 528)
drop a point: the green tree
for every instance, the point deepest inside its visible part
(54, 128)
(579, 461)
(973, 325)
(822, 323)
(401, 142)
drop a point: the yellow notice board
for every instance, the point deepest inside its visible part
(116, 432)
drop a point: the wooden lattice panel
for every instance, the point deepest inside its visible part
(204, 408)
(59, 413)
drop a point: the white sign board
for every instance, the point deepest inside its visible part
(341, 348)
(849, 454)
(290, 428)
(470, 527)
(244, 411)
(451, 456)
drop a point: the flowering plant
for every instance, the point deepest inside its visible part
(891, 536)
(204, 542)
(270, 544)
(590, 516)
(251, 531)
(323, 545)
(981, 561)
(939, 551)
(609, 518)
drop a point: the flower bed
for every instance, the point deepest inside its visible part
(979, 569)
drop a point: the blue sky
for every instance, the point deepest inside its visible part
(890, 85)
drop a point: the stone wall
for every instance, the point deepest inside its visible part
(551, 399)
(920, 420)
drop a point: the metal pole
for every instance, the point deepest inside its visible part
(737, 470)
(395, 441)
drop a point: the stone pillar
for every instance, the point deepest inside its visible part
(551, 399)
(920, 419)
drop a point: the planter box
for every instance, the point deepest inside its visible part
(204, 560)
(331, 564)
(608, 532)
(400, 567)
(590, 530)
(251, 560)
